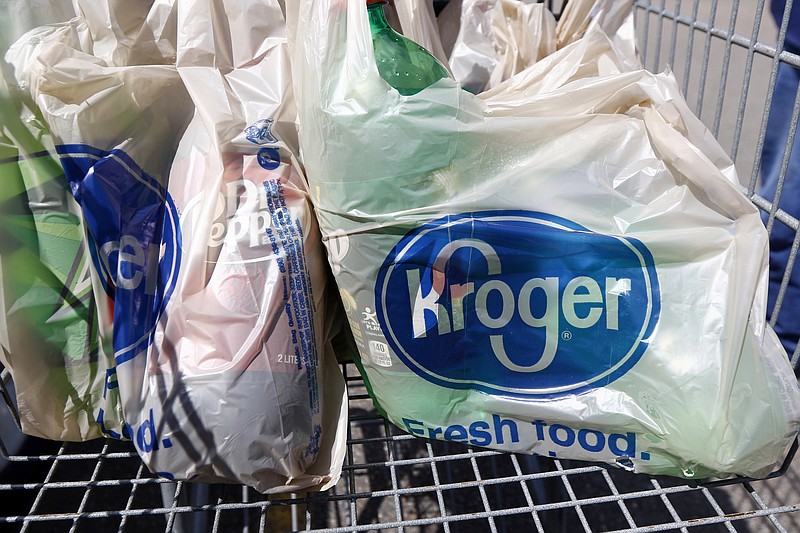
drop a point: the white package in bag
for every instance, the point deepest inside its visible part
(562, 266)
(179, 149)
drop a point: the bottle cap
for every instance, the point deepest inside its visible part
(376, 2)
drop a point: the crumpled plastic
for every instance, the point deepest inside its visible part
(176, 127)
(55, 326)
(562, 265)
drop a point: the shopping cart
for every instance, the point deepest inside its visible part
(725, 55)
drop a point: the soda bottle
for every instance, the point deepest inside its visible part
(402, 63)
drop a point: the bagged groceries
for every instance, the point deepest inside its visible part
(563, 265)
(488, 41)
(251, 306)
(491, 40)
(54, 334)
(178, 137)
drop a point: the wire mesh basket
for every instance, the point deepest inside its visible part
(391, 481)
(726, 56)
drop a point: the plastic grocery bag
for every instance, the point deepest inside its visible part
(417, 21)
(252, 306)
(488, 41)
(564, 265)
(54, 333)
(614, 17)
(495, 39)
(202, 232)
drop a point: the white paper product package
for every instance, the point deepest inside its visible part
(55, 332)
(202, 232)
(563, 266)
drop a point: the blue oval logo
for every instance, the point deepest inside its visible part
(269, 158)
(134, 239)
(517, 303)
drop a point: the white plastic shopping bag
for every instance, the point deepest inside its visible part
(491, 40)
(417, 21)
(563, 265)
(178, 138)
(251, 306)
(55, 329)
(488, 41)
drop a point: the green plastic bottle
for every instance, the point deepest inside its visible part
(405, 65)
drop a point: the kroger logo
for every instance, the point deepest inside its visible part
(134, 239)
(517, 303)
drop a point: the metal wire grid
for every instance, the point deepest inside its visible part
(710, 46)
(393, 481)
